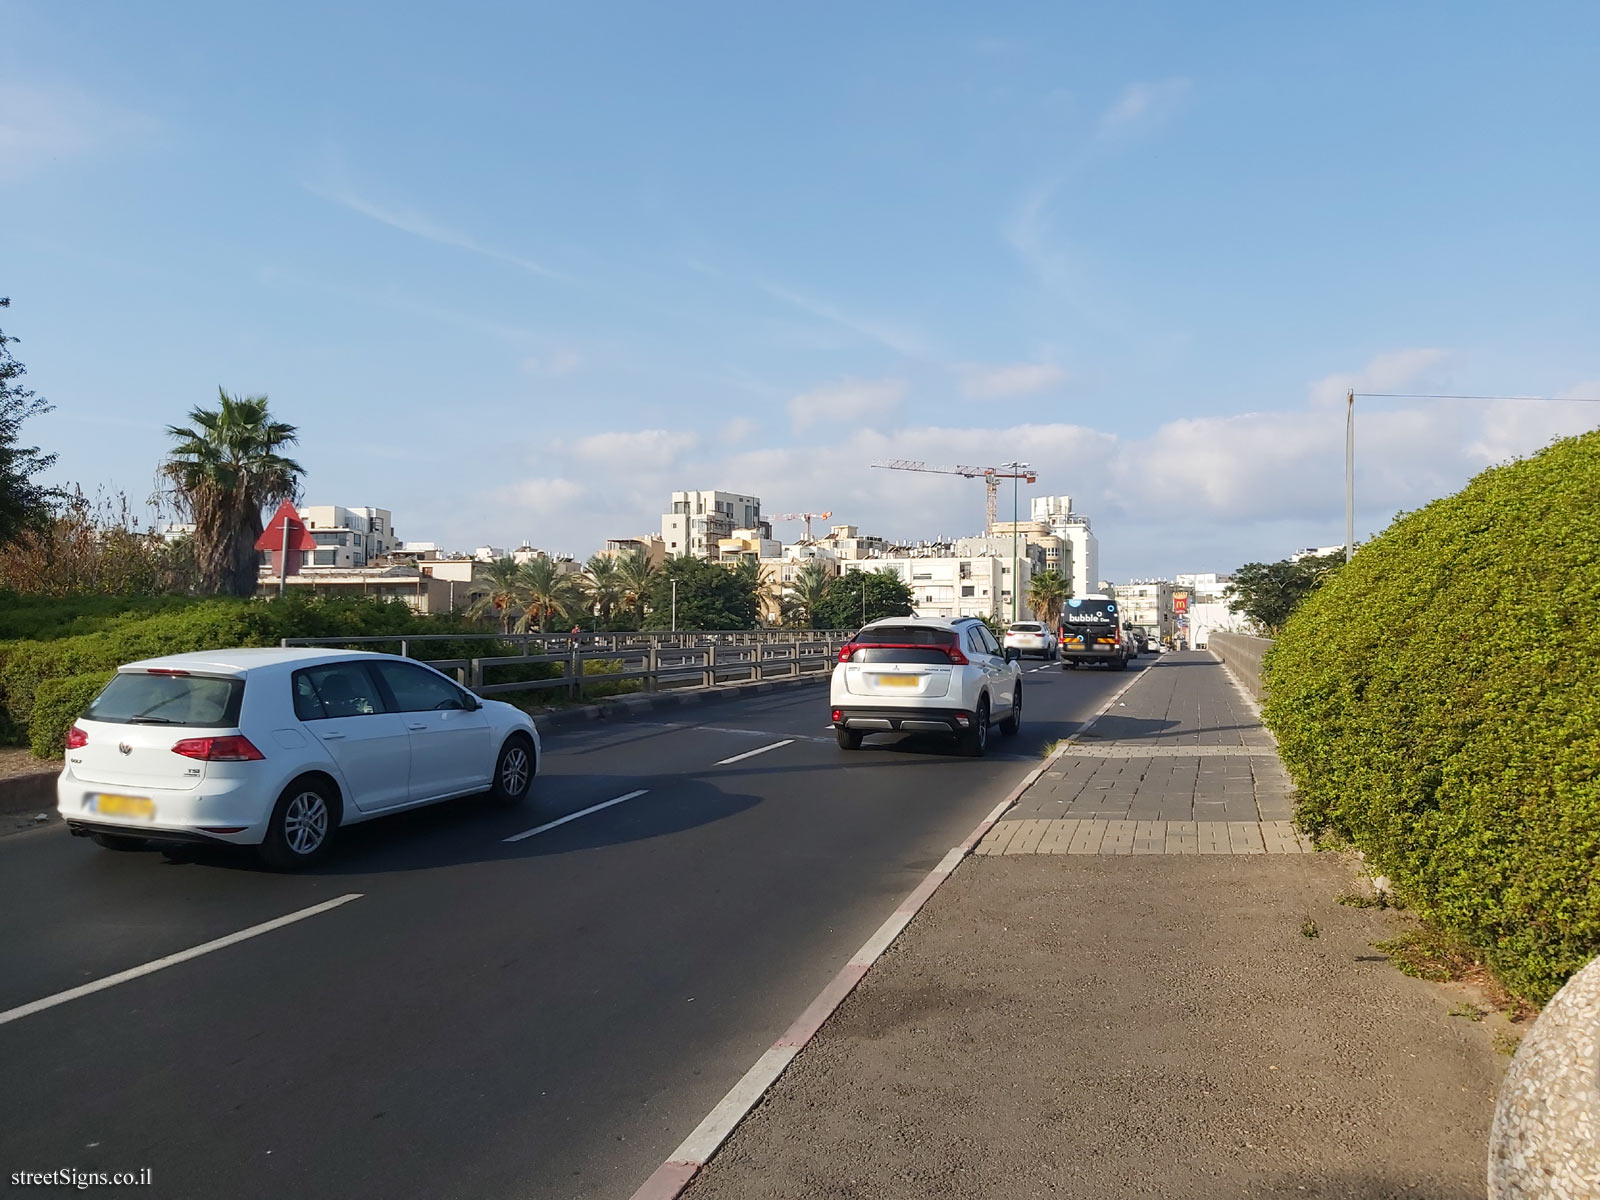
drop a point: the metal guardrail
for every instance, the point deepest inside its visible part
(662, 661)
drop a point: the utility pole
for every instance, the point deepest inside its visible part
(283, 563)
(1350, 475)
(1018, 470)
(674, 606)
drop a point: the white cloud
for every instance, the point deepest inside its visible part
(1142, 106)
(1513, 428)
(901, 340)
(644, 449)
(558, 362)
(993, 382)
(47, 124)
(1391, 371)
(541, 497)
(738, 429)
(409, 220)
(849, 403)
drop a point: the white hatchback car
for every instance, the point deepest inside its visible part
(926, 675)
(1031, 637)
(279, 748)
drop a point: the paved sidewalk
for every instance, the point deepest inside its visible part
(1143, 1018)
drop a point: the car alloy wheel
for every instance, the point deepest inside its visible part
(305, 823)
(514, 772)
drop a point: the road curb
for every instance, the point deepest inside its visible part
(670, 1179)
(31, 793)
(628, 706)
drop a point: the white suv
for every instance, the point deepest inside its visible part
(1032, 637)
(930, 675)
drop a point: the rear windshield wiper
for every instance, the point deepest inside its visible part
(148, 721)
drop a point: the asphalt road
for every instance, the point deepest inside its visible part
(546, 1017)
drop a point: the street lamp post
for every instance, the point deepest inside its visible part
(1017, 469)
(1350, 475)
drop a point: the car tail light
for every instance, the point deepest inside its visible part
(838, 714)
(231, 748)
(956, 657)
(165, 671)
(76, 738)
(847, 650)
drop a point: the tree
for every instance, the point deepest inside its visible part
(857, 597)
(1267, 593)
(1047, 591)
(501, 598)
(226, 468)
(636, 573)
(24, 504)
(806, 595)
(602, 578)
(545, 592)
(709, 596)
(95, 547)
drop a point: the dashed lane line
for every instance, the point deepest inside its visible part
(172, 960)
(722, 762)
(584, 812)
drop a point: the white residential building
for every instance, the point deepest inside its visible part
(748, 543)
(349, 537)
(848, 544)
(1316, 552)
(976, 585)
(1147, 604)
(698, 520)
(1055, 512)
(1204, 587)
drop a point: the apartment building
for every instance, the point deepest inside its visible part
(650, 545)
(1147, 603)
(1204, 587)
(962, 585)
(349, 537)
(779, 572)
(748, 543)
(848, 544)
(699, 520)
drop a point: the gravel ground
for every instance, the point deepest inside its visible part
(19, 760)
(1073, 1026)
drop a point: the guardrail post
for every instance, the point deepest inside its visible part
(652, 664)
(574, 674)
(475, 674)
(711, 665)
(405, 648)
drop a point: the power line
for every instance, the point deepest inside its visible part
(1435, 396)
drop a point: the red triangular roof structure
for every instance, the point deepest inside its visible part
(272, 536)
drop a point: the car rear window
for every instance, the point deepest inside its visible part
(905, 635)
(904, 644)
(1026, 627)
(165, 698)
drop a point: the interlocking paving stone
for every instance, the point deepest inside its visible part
(1070, 835)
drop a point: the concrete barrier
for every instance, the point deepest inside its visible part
(1545, 1140)
(1243, 655)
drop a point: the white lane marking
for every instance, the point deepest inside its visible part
(172, 960)
(583, 812)
(752, 753)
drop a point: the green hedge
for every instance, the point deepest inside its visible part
(1438, 705)
(57, 704)
(27, 666)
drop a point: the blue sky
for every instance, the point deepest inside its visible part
(518, 272)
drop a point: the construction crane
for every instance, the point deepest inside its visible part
(991, 477)
(806, 517)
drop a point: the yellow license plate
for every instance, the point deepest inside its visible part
(126, 806)
(906, 681)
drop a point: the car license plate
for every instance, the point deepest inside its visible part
(894, 681)
(126, 806)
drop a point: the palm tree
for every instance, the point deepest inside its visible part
(1046, 592)
(805, 594)
(636, 573)
(502, 595)
(603, 580)
(545, 592)
(226, 468)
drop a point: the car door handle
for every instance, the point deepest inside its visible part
(417, 728)
(332, 737)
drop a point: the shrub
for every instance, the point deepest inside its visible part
(56, 705)
(1437, 702)
(26, 666)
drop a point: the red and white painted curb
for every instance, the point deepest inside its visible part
(671, 1177)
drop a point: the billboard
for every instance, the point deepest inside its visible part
(1180, 602)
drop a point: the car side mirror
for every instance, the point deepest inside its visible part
(1012, 654)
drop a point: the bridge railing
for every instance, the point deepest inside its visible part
(661, 661)
(1242, 654)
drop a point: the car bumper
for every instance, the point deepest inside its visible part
(1096, 654)
(857, 719)
(219, 810)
